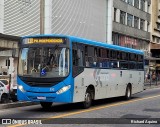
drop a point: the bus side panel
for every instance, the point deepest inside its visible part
(133, 76)
(107, 83)
(90, 76)
(137, 81)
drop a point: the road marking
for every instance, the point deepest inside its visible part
(91, 109)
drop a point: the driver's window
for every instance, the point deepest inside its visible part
(77, 58)
(77, 54)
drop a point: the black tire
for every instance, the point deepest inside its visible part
(88, 100)
(15, 100)
(128, 93)
(46, 105)
(4, 98)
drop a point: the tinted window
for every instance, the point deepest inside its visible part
(1, 85)
(5, 82)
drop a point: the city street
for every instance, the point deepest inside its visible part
(142, 105)
(80, 51)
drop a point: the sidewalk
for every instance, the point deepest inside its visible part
(16, 104)
(151, 85)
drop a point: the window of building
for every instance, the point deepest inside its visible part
(154, 39)
(130, 2)
(115, 12)
(158, 26)
(148, 8)
(136, 22)
(122, 17)
(142, 24)
(148, 24)
(142, 7)
(157, 40)
(129, 20)
(136, 3)
(115, 39)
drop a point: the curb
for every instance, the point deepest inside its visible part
(17, 104)
(151, 87)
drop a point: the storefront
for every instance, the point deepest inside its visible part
(8, 62)
(130, 42)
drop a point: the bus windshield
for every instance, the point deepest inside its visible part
(43, 62)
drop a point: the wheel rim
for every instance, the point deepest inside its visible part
(128, 93)
(87, 99)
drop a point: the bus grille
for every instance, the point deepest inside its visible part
(44, 84)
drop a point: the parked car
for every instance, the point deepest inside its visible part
(6, 82)
(4, 93)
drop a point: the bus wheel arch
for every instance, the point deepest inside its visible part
(128, 92)
(89, 96)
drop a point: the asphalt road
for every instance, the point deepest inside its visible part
(141, 106)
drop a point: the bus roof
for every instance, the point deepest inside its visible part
(90, 42)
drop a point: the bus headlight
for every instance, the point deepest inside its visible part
(63, 89)
(20, 87)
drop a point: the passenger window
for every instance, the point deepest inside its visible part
(91, 56)
(140, 66)
(132, 57)
(119, 55)
(124, 56)
(132, 65)
(113, 54)
(140, 58)
(123, 64)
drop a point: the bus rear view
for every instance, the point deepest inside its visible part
(44, 70)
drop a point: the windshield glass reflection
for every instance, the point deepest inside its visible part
(44, 62)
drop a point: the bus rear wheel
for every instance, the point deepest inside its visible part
(128, 93)
(46, 105)
(88, 99)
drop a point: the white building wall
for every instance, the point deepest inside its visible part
(21, 17)
(82, 18)
(1, 15)
(91, 19)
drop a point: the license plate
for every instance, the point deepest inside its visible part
(41, 98)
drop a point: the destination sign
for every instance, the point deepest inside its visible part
(43, 41)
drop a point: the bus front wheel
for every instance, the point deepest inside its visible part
(88, 99)
(46, 105)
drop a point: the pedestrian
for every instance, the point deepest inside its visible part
(153, 76)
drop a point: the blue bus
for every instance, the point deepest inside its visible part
(60, 68)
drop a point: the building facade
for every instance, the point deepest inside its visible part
(132, 24)
(155, 36)
(84, 18)
(120, 22)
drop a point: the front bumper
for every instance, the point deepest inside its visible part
(44, 97)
